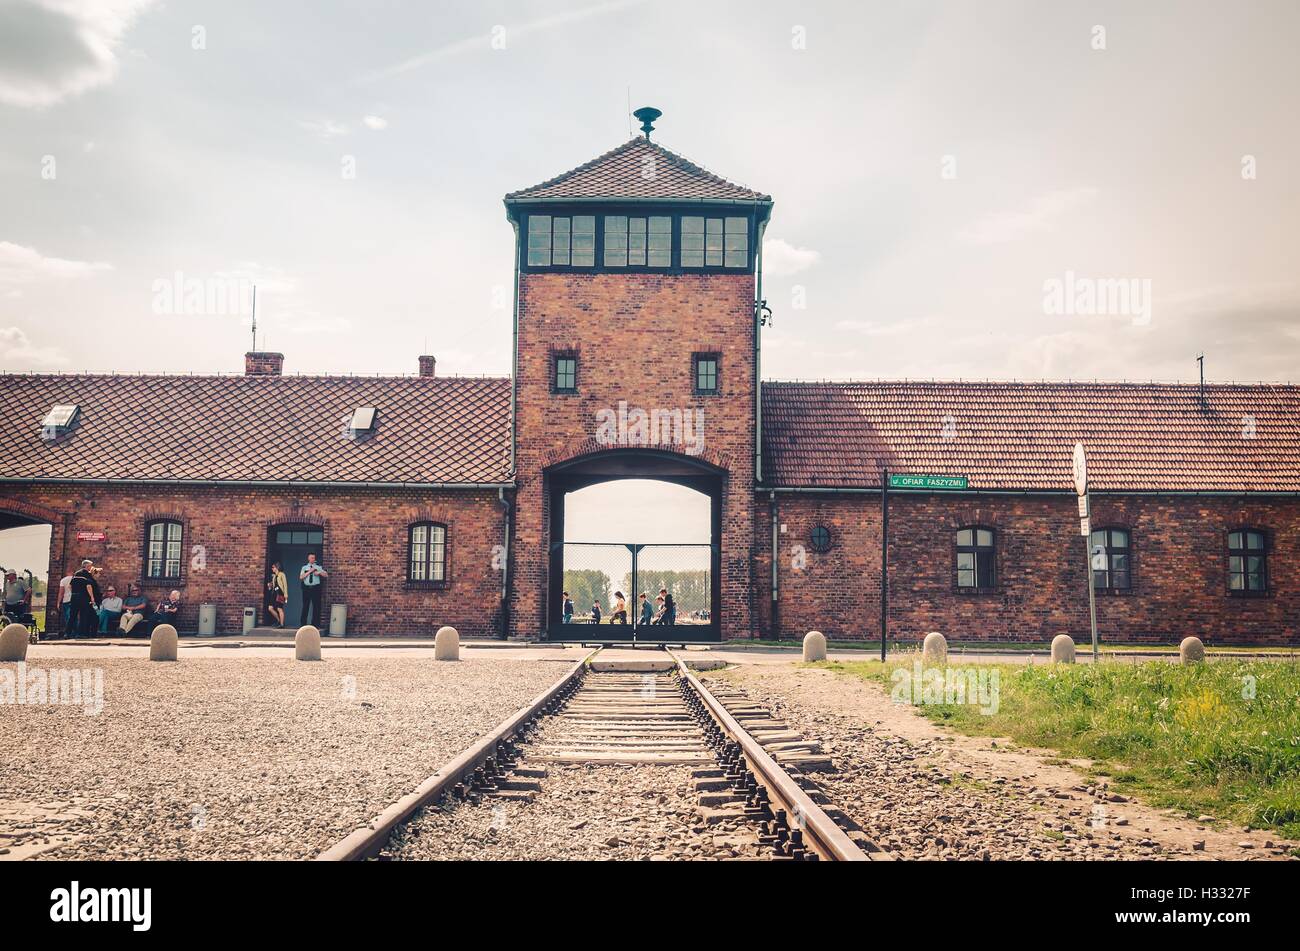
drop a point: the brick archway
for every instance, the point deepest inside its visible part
(15, 513)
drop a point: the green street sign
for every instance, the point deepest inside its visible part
(927, 482)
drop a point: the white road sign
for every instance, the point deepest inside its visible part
(1080, 470)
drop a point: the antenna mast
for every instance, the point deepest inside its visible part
(254, 318)
(1200, 359)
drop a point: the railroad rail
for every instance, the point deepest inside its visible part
(611, 718)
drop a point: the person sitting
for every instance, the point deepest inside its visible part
(110, 610)
(619, 614)
(595, 612)
(134, 606)
(18, 596)
(167, 610)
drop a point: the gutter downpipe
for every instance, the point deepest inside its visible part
(758, 353)
(775, 631)
(508, 509)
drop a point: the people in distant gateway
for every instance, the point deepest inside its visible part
(567, 610)
(618, 615)
(275, 595)
(134, 607)
(670, 607)
(83, 616)
(110, 610)
(167, 610)
(647, 612)
(18, 596)
(311, 576)
(595, 612)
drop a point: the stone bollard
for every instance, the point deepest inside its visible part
(162, 643)
(13, 643)
(934, 650)
(814, 646)
(306, 643)
(1063, 649)
(446, 644)
(1191, 651)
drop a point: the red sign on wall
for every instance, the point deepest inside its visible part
(91, 536)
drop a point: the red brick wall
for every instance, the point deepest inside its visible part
(1179, 569)
(365, 548)
(634, 335)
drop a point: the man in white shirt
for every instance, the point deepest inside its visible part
(311, 576)
(110, 610)
(65, 603)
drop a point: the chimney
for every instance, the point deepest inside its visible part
(427, 364)
(263, 363)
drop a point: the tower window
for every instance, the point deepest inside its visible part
(555, 241)
(566, 373)
(638, 242)
(706, 373)
(715, 242)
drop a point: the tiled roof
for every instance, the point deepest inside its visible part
(639, 169)
(1139, 437)
(273, 428)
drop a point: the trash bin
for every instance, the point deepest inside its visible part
(338, 620)
(250, 619)
(207, 620)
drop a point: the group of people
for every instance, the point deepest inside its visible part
(88, 610)
(664, 610)
(275, 593)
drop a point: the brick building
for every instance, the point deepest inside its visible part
(636, 344)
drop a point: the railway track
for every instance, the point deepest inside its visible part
(596, 721)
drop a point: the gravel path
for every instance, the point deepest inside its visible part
(582, 812)
(924, 794)
(240, 758)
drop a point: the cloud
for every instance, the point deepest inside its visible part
(325, 128)
(375, 122)
(51, 50)
(483, 41)
(17, 351)
(1002, 227)
(781, 258)
(21, 265)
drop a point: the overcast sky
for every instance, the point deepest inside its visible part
(933, 165)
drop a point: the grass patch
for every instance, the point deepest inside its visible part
(1221, 738)
(1006, 646)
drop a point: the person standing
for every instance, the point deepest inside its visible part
(311, 576)
(18, 596)
(647, 612)
(110, 610)
(595, 612)
(567, 610)
(84, 618)
(65, 604)
(618, 613)
(670, 607)
(276, 594)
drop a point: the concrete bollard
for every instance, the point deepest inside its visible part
(814, 646)
(306, 643)
(13, 643)
(446, 644)
(162, 643)
(1191, 650)
(1063, 649)
(934, 649)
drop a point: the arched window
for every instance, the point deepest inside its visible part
(428, 552)
(1111, 567)
(162, 550)
(1247, 561)
(820, 538)
(976, 559)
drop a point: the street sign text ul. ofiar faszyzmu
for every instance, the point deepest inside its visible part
(927, 482)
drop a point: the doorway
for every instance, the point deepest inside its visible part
(290, 545)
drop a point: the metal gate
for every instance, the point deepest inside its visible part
(594, 573)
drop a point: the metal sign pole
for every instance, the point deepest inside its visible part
(1092, 594)
(1085, 529)
(884, 563)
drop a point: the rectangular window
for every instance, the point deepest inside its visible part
(163, 557)
(706, 373)
(1247, 562)
(1110, 559)
(661, 241)
(566, 374)
(715, 242)
(615, 241)
(555, 241)
(638, 242)
(975, 559)
(428, 552)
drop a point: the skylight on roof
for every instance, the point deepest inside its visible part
(59, 420)
(363, 419)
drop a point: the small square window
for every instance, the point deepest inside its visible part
(566, 374)
(706, 373)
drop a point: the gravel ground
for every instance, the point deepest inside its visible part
(240, 758)
(586, 813)
(925, 795)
